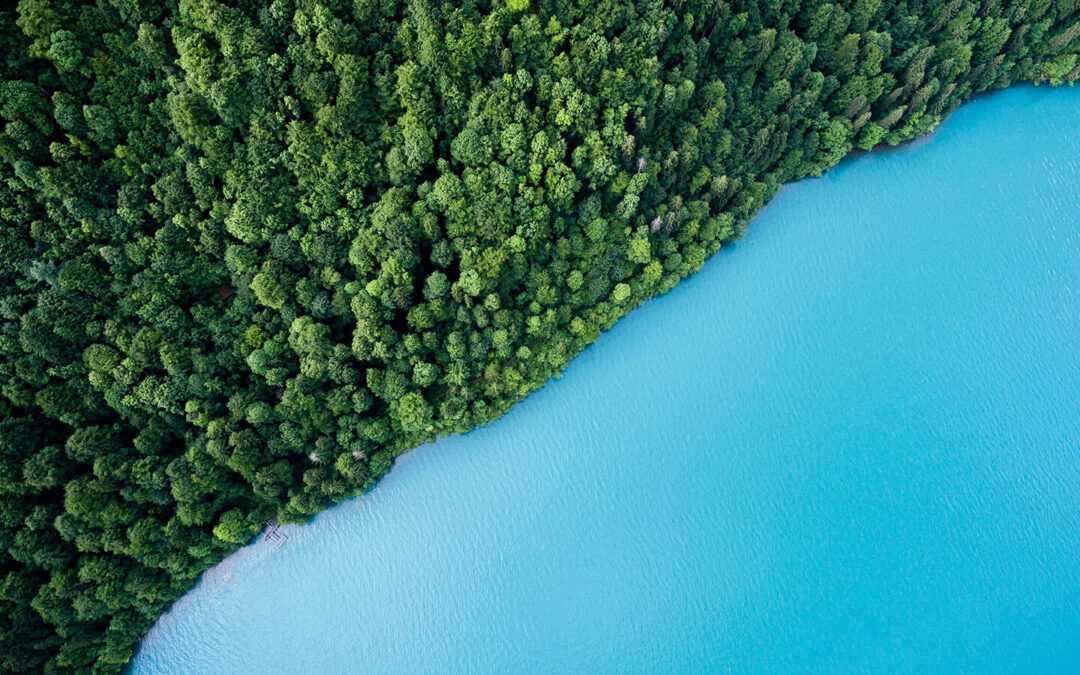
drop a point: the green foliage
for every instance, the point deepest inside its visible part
(268, 291)
(254, 251)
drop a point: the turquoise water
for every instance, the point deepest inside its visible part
(850, 444)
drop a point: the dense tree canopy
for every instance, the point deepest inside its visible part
(252, 251)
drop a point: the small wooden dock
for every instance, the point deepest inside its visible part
(271, 532)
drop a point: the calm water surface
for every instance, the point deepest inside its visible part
(850, 444)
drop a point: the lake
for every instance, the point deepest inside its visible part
(850, 444)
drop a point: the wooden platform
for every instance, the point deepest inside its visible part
(271, 533)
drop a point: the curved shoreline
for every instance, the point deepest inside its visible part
(451, 457)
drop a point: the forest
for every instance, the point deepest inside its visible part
(253, 251)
